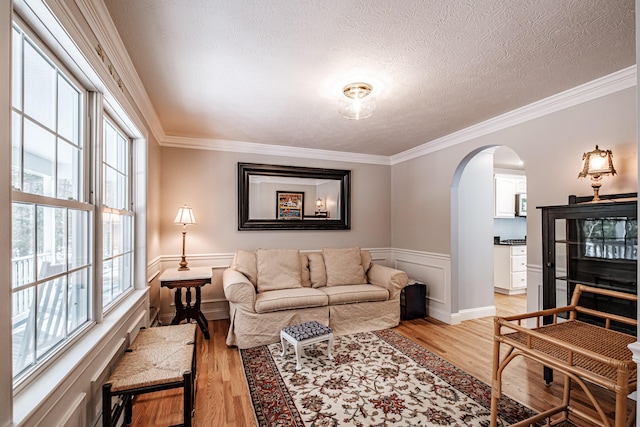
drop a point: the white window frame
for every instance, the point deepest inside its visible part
(127, 211)
(96, 107)
(68, 36)
(36, 200)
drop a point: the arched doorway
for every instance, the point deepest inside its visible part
(472, 230)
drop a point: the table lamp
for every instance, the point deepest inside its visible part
(185, 217)
(597, 163)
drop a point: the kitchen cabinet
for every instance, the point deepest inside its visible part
(510, 269)
(594, 244)
(504, 192)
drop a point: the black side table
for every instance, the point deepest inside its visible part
(413, 301)
(193, 278)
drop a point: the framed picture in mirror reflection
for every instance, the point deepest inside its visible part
(290, 204)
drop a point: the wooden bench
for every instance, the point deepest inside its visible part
(159, 358)
(583, 352)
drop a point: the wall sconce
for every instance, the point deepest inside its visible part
(597, 163)
(185, 217)
(356, 101)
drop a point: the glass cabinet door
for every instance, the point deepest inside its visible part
(610, 238)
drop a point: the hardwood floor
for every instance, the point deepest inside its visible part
(222, 398)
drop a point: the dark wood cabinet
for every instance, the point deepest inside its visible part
(595, 244)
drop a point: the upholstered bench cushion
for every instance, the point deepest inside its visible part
(289, 299)
(159, 355)
(348, 294)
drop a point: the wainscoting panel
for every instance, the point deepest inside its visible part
(102, 374)
(430, 268)
(435, 271)
(76, 414)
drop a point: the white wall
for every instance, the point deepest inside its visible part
(472, 268)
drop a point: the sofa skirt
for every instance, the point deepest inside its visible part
(347, 319)
(248, 329)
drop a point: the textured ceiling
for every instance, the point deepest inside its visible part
(271, 71)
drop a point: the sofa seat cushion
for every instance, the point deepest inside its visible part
(290, 299)
(348, 294)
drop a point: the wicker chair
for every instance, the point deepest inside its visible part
(583, 352)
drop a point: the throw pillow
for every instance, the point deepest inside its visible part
(317, 272)
(304, 272)
(245, 263)
(278, 269)
(366, 260)
(344, 266)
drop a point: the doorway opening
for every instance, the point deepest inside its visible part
(488, 217)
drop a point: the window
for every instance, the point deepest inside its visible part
(51, 264)
(117, 216)
(69, 264)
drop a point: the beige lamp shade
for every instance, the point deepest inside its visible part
(185, 216)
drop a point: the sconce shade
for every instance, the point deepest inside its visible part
(185, 216)
(356, 101)
(596, 164)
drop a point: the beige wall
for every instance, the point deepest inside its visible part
(207, 181)
(154, 204)
(551, 148)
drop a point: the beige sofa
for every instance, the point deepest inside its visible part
(269, 289)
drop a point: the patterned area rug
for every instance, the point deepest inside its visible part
(376, 379)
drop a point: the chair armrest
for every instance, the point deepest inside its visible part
(238, 289)
(390, 278)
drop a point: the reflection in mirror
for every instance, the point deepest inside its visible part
(290, 197)
(321, 196)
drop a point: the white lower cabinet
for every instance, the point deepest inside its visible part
(510, 269)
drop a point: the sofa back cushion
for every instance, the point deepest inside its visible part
(317, 271)
(366, 260)
(305, 276)
(344, 266)
(245, 263)
(278, 269)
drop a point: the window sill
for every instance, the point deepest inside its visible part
(50, 382)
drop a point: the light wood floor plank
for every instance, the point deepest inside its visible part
(223, 399)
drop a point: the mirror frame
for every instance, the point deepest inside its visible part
(245, 170)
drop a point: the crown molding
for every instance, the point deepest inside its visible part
(105, 31)
(100, 22)
(272, 150)
(594, 89)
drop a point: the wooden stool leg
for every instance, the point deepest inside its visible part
(188, 398)
(621, 399)
(106, 405)
(566, 395)
(496, 389)
(128, 409)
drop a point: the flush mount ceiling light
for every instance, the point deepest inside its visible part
(356, 101)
